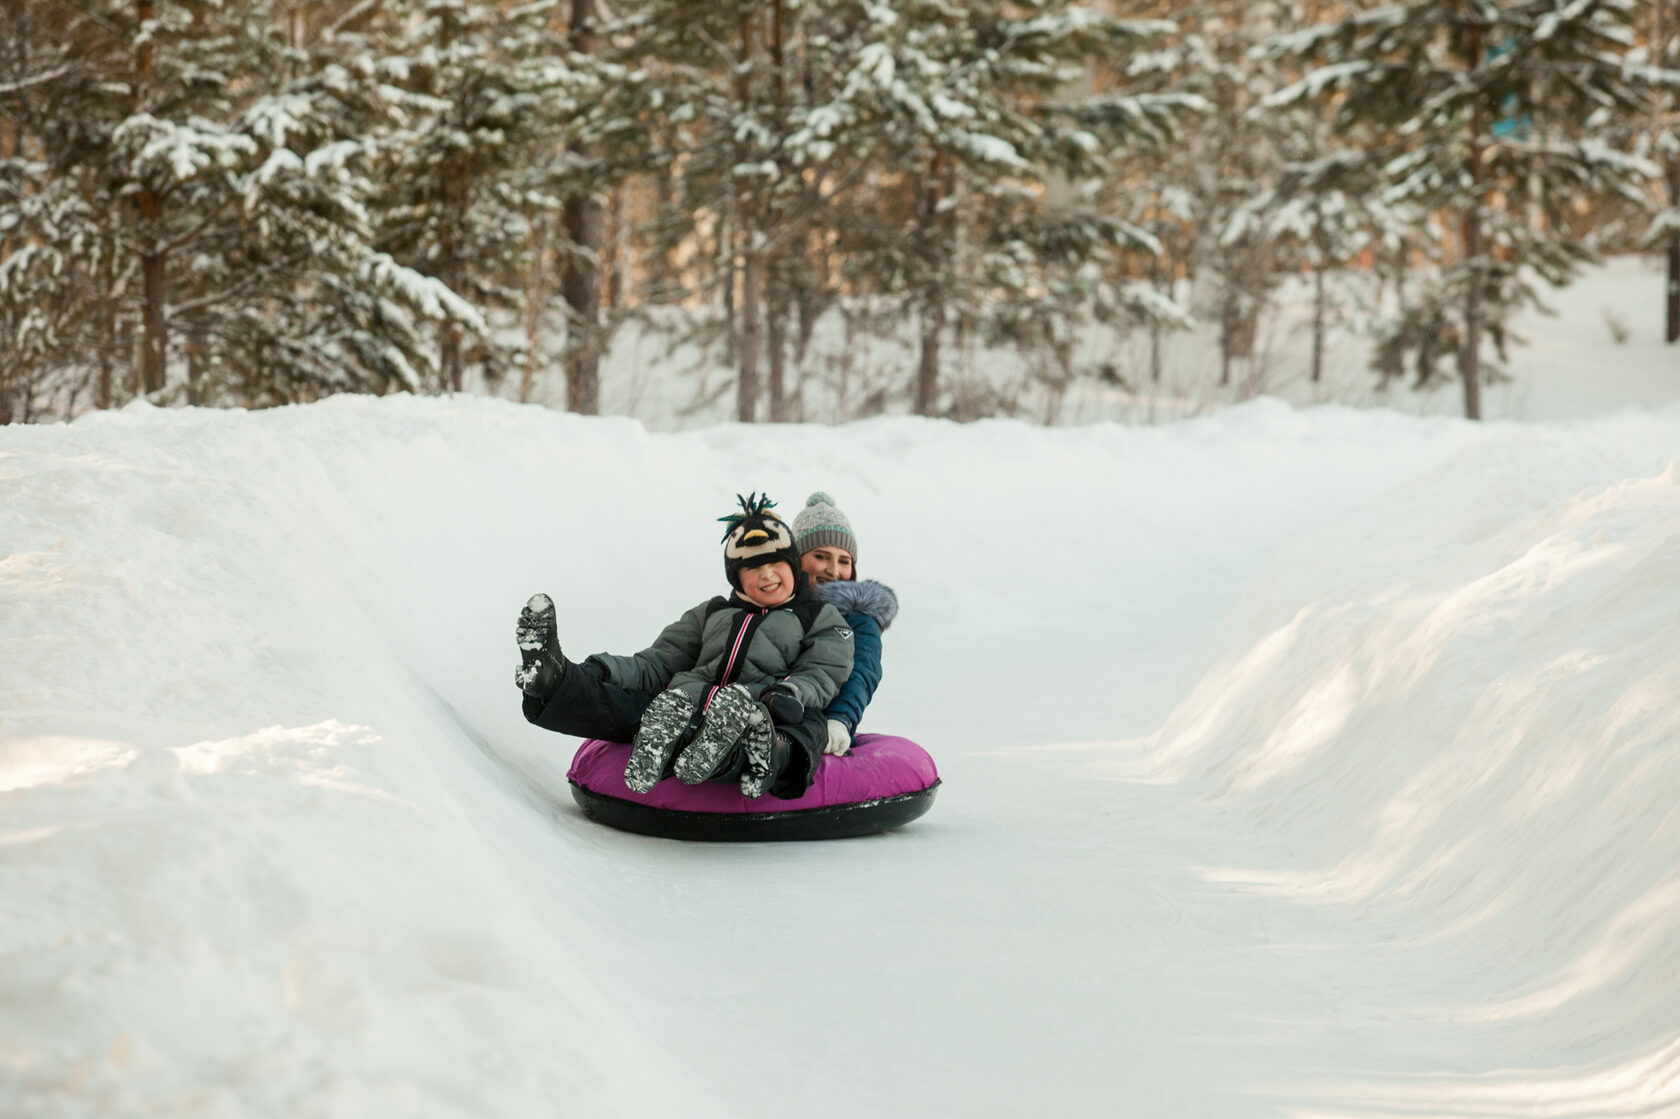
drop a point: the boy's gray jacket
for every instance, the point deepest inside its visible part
(804, 641)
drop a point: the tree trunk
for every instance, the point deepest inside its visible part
(848, 358)
(964, 265)
(660, 270)
(580, 286)
(777, 340)
(1318, 323)
(154, 349)
(808, 303)
(618, 282)
(1227, 337)
(108, 341)
(1672, 327)
(933, 292)
(730, 267)
(1663, 49)
(154, 339)
(1470, 364)
(775, 276)
(1155, 325)
(449, 354)
(195, 366)
(1400, 263)
(747, 218)
(746, 389)
(927, 374)
(580, 282)
(449, 333)
(536, 298)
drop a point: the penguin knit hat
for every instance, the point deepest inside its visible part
(822, 524)
(755, 536)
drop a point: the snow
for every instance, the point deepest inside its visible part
(1299, 762)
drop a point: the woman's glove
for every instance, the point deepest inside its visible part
(839, 738)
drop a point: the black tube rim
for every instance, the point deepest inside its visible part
(832, 821)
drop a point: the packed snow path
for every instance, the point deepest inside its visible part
(1297, 764)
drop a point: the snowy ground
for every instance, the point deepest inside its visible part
(1298, 764)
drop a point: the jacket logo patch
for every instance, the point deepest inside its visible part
(845, 634)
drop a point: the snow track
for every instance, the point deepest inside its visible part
(1298, 764)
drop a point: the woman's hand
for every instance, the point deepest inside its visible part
(839, 738)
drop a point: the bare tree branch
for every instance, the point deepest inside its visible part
(33, 80)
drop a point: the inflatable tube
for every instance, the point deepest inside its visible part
(885, 782)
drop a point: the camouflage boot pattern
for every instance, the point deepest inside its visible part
(766, 752)
(656, 740)
(539, 649)
(714, 748)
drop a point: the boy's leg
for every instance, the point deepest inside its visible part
(585, 704)
(805, 740)
(665, 724)
(716, 750)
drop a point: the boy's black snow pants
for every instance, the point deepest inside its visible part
(807, 739)
(587, 705)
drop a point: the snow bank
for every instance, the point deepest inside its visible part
(1451, 724)
(246, 862)
(274, 839)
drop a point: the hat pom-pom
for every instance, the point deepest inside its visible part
(819, 498)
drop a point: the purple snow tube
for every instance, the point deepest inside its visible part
(884, 782)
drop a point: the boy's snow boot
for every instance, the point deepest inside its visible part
(767, 753)
(539, 648)
(663, 724)
(717, 747)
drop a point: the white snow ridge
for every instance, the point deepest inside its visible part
(1298, 764)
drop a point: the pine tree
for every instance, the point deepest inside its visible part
(1323, 213)
(197, 176)
(1489, 114)
(483, 99)
(1664, 144)
(56, 257)
(981, 110)
(1199, 194)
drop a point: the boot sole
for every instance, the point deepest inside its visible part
(662, 726)
(725, 720)
(755, 782)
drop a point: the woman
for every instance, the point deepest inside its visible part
(828, 554)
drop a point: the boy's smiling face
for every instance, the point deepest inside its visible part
(768, 584)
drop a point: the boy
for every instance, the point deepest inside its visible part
(732, 690)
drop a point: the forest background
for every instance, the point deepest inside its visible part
(253, 203)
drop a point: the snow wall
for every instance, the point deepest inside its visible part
(274, 839)
(1453, 722)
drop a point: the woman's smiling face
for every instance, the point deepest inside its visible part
(827, 564)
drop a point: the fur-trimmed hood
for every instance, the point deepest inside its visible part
(868, 597)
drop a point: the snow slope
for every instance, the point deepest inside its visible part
(1297, 764)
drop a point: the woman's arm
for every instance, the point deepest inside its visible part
(859, 688)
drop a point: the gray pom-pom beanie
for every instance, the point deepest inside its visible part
(821, 524)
